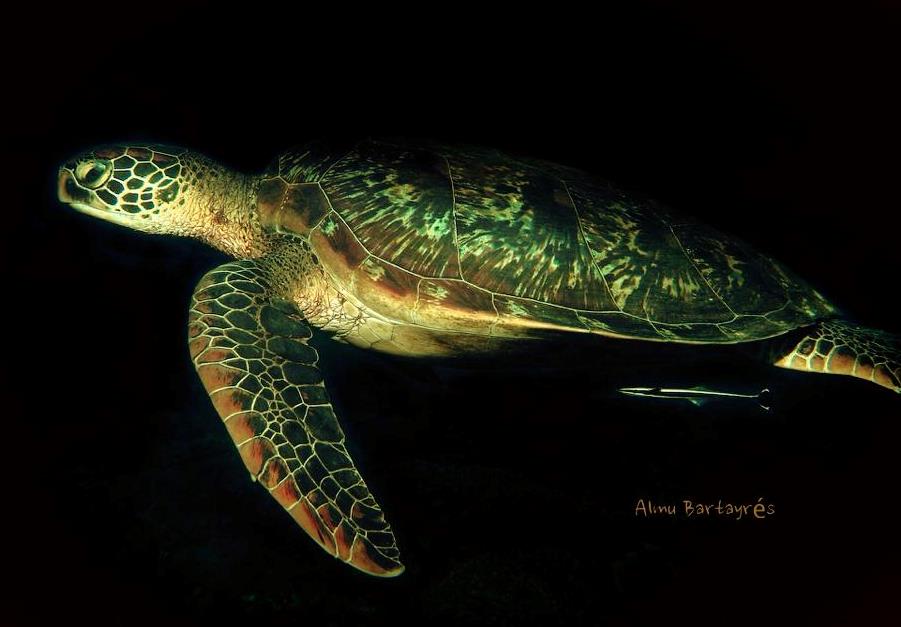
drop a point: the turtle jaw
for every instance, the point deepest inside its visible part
(109, 216)
(85, 201)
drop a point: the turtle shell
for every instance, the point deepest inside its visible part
(474, 240)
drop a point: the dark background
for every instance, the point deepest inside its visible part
(512, 493)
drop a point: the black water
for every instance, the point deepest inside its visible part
(512, 492)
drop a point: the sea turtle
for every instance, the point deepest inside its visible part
(424, 249)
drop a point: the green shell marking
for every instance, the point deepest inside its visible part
(535, 241)
(400, 204)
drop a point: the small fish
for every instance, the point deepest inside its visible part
(697, 395)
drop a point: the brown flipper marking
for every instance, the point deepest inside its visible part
(215, 377)
(841, 361)
(274, 472)
(228, 401)
(344, 537)
(309, 520)
(329, 515)
(863, 367)
(214, 356)
(364, 557)
(255, 452)
(198, 345)
(882, 376)
(849, 349)
(276, 410)
(244, 426)
(286, 493)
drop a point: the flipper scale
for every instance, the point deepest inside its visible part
(845, 348)
(250, 350)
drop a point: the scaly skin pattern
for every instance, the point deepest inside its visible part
(839, 347)
(162, 189)
(249, 345)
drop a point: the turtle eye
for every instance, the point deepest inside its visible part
(93, 174)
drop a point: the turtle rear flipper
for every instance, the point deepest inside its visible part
(841, 347)
(251, 352)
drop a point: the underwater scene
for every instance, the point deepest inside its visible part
(387, 282)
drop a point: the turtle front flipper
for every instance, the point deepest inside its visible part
(841, 347)
(251, 352)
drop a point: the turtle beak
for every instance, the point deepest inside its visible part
(84, 201)
(69, 191)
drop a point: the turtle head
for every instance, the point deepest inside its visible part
(160, 189)
(136, 186)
